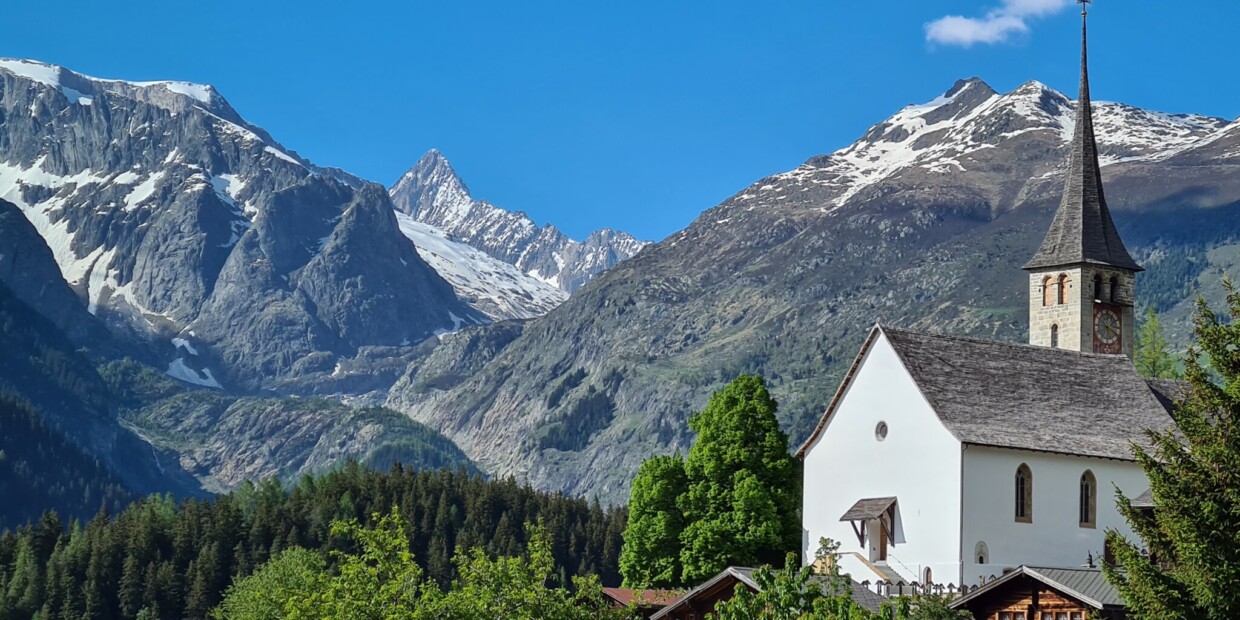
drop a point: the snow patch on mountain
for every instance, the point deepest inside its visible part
(432, 193)
(494, 287)
(178, 369)
(939, 137)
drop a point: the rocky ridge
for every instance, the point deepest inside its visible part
(432, 193)
(185, 226)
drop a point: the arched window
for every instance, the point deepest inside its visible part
(1054, 336)
(1024, 494)
(1064, 281)
(1114, 289)
(981, 552)
(1089, 499)
(1048, 291)
(1098, 286)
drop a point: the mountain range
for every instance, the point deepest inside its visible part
(923, 222)
(151, 221)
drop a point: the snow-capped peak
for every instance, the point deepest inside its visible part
(432, 193)
(159, 91)
(942, 135)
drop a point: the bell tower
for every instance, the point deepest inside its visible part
(1081, 280)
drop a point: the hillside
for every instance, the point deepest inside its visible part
(40, 470)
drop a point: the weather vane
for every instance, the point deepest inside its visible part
(1085, 6)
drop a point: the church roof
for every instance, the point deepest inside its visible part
(1082, 231)
(1024, 396)
(1031, 397)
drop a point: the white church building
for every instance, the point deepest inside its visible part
(949, 460)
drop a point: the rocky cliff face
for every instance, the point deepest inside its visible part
(183, 225)
(432, 193)
(924, 222)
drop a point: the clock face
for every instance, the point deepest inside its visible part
(1107, 327)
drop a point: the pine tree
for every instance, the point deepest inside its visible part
(1191, 567)
(1151, 355)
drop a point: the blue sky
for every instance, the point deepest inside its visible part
(635, 115)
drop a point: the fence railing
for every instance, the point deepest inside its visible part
(891, 589)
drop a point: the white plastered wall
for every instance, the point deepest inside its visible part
(1054, 537)
(919, 463)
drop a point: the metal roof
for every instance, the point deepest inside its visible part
(1087, 585)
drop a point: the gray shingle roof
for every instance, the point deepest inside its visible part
(1144, 500)
(868, 509)
(1082, 231)
(1087, 585)
(1030, 397)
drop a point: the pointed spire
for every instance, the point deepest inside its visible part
(1082, 231)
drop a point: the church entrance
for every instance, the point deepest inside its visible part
(882, 545)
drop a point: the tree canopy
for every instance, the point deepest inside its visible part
(378, 579)
(1190, 566)
(1152, 354)
(160, 559)
(737, 496)
(651, 553)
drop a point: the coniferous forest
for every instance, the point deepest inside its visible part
(41, 470)
(161, 559)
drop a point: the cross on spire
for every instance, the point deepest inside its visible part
(1082, 231)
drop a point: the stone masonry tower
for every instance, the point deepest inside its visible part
(1081, 280)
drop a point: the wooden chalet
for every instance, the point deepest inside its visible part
(1033, 593)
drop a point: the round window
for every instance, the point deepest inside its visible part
(880, 431)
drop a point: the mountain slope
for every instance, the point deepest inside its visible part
(923, 222)
(44, 370)
(224, 441)
(174, 218)
(432, 193)
(41, 470)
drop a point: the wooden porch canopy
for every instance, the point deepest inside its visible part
(869, 509)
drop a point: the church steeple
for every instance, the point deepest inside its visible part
(1082, 231)
(1082, 278)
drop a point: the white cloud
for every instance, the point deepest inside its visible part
(1011, 18)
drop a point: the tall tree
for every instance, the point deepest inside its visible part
(1191, 567)
(651, 553)
(1152, 355)
(743, 497)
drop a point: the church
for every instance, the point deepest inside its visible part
(952, 460)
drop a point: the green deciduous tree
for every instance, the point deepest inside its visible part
(796, 592)
(379, 582)
(651, 554)
(1192, 569)
(520, 588)
(1151, 354)
(264, 594)
(743, 497)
